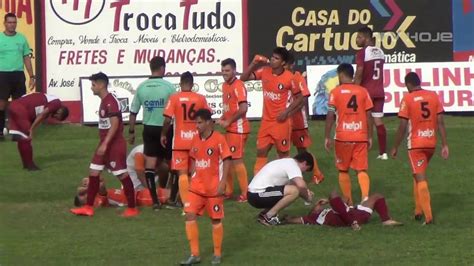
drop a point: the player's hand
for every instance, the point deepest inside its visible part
(221, 189)
(32, 83)
(163, 141)
(445, 152)
(393, 152)
(310, 195)
(102, 149)
(369, 143)
(282, 117)
(328, 143)
(31, 134)
(223, 123)
(131, 138)
(322, 202)
(260, 59)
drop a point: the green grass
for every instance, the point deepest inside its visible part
(36, 227)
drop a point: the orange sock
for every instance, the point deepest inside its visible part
(192, 232)
(183, 187)
(217, 236)
(261, 161)
(241, 173)
(229, 185)
(345, 185)
(364, 183)
(418, 209)
(425, 200)
(316, 169)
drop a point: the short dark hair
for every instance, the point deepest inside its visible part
(366, 31)
(291, 59)
(77, 201)
(187, 78)
(8, 15)
(204, 114)
(65, 112)
(156, 63)
(229, 61)
(413, 79)
(307, 158)
(346, 69)
(282, 52)
(99, 76)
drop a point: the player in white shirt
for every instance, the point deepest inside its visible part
(278, 184)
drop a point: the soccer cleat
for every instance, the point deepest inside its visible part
(216, 260)
(418, 217)
(130, 212)
(173, 205)
(428, 223)
(355, 226)
(383, 156)
(156, 207)
(83, 211)
(191, 260)
(32, 167)
(263, 219)
(242, 199)
(318, 178)
(391, 223)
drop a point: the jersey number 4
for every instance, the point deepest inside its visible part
(352, 103)
(188, 114)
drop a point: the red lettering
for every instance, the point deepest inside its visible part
(420, 74)
(398, 79)
(118, 10)
(468, 76)
(450, 100)
(120, 56)
(465, 96)
(448, 76)
(187, 9)
(386, 78)
(388, 97)
(435, 77)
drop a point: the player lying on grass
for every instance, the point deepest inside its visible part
(339, 214)
(116, 197)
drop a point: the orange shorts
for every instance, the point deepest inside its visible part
(274, 133)
(301, 138)
(236, 142)
(180, 160)
(144, 198)
(351, 155)
(419, 159)
(213, 206)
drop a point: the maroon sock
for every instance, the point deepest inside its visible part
(382, 137)
(129, 191)
(381, 208)
(338, 205)
(26, 152)
(92, 189)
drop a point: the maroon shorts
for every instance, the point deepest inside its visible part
(331, 218)
(18, 121)
(115, 158)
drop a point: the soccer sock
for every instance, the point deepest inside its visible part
(163, 178)
(241, 173)
(26, 151)
(229, 185)
(261, 161)
(316, 169)
(217, 236)
(425, 200)
(345, 185)
(338, 205)
(92, 189)
(418, 209)
(382, 138)
(150, 181)
(2, 121)
(129, 191)
(174, 187)
(364, 183)
(381, 208)
(19, 145)
(192, 232)
(183, 188)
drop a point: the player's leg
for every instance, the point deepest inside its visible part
(377, 202)
(264, 144)
(151, 148)
(338, 205)
(360, 164)
(418, 214)
(290, 194)
(93, 184)
(419, 161)
(179, 163)
(343, 158)
(281, 135)
(194, 208)
(377, 115)
(215, 210)
(5, 92)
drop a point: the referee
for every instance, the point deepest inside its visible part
(153, 95)
(15, 54)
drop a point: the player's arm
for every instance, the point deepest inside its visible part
(295, 105)
(329, 124)
(402, 128)
(164, 131)
(369, 127)
(134, 109)
(241, 112)
(29, 69)
(226, 169)
(444, 139)
(114, 124)
(360, 67)
(305, 193)
(40, 118)
(254, 65)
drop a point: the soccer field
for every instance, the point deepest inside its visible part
(36, 227)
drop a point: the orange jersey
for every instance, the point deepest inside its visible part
(350, 102)
(300, 119)
(234, 94)
(421, 108)
(277, 91)
(208, 155)
(182, 107)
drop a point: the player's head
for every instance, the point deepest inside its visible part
(61, 114)
(305, 161)
(100, 81)
(158, 65)
(290, 63)
(279, 57)
(364, 36)
(186, 81)
(9, 21)
(204, 121)
(345, 73)
(412, 81)
(228, 67)
(81, 196)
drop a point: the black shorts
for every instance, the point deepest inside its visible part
(152, 142)
(12, 84)
(266, 199)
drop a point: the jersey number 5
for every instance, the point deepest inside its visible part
(425, 112)
(188, 114)
(377, 70)
(352, 103)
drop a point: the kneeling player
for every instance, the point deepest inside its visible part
(340, 214)
(210, 164)
(278, 184)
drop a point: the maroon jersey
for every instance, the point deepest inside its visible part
(35, 103)
(109, 107)
(372, 59)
